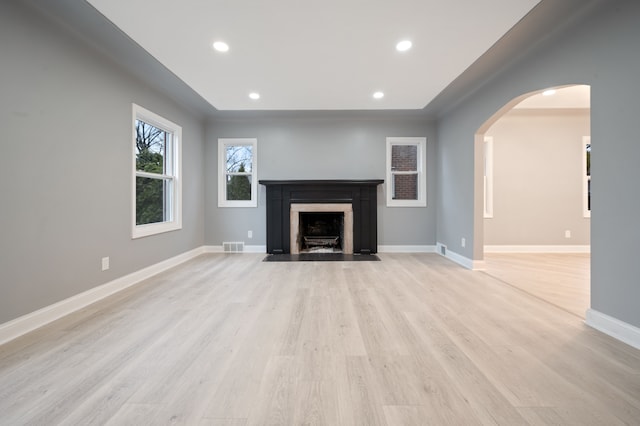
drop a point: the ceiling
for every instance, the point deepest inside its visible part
(570, 97)
(329, 55)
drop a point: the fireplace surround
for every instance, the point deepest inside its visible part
(355, 199)
(328, 226)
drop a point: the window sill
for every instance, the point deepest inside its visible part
(237, 204)
(406, 203)
(141, 231)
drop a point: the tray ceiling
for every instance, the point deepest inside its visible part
(330, 55)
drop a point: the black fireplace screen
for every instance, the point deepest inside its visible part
(321, 230)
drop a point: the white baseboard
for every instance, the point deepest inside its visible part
(406, 249)
(29, 322)
(381, 249)
(459, 259)
(247, 249)
(474, 265)
(536, 249)
(613, 327)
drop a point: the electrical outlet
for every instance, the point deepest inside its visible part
(105, 263)
(463, 242)
(567, 234)
(250, 234)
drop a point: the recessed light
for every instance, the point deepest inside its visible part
(254, 95)
(549, 92)
(378, 95)
(404, 45)
(221, 46)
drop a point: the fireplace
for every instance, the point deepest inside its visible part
(321, 228)
(333, 215)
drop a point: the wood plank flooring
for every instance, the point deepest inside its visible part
(562, 279)
(230, 340)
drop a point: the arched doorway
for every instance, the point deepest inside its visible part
(534, 186)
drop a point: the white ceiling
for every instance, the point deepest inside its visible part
(322, 55)
(565, 97)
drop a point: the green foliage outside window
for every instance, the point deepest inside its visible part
(150, 192)
(239, 186)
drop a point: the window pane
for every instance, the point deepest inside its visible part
(589, 194)
(156, 176)
(239, 187)
(588, 154)
(152, 144)
(405, 187)
(150, 200)
(406, 180)
(404, 158)
(239, 158)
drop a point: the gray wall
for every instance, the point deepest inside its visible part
(65, 163)
(602, 51)
(320, 145)
(538, 178)
(65, 166)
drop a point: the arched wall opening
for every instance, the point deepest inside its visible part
(579, 53)
(531, 193)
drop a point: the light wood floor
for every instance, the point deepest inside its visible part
(231, 340)
(562, 279)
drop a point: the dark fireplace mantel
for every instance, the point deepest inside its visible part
(361, 194)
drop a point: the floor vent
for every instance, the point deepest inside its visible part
(233, 247)
(443, 250)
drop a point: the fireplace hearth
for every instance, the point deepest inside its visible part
(321, 216)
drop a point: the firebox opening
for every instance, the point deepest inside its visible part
(321, 232)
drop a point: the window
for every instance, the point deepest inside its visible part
(586, 175)
(237, 173)
(406, 178)
(488, 177)
(156, 174)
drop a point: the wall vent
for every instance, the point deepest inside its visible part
(233, 247)
(443, 250)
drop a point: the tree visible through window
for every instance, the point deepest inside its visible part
(586, 177)
(151, 192)
(239, 164)
(237, 167)
(156, 185)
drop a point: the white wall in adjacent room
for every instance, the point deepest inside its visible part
(538, 178)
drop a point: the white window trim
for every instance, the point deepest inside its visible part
(222, 197)
(139, 231)
(586, 140)
(421, 143)
(488, 177)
